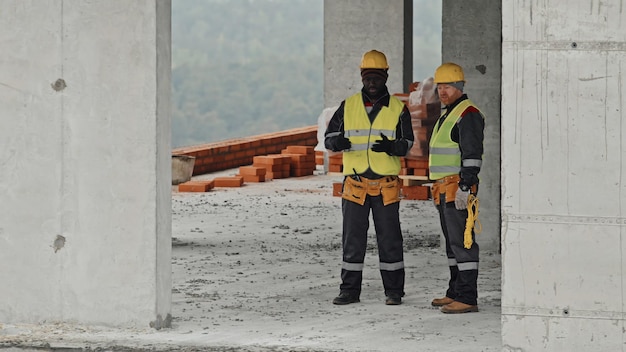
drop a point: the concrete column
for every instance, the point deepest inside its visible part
(563, 179)
(85, 162)
(471, 37)
(352, 27)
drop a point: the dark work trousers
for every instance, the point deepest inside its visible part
(463, 263)
(389, 240)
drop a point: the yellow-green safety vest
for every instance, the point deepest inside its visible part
(445, 156)
(362, 134)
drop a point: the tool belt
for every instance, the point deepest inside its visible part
(357, 190)
(447, 185)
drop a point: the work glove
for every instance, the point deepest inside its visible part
(460, 200)
(383, 145)
(341, 143)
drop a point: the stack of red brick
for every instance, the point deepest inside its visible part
(293, 161)
(425, 108)
(233, 153)
(416, 166)
(410, 166)
(335, 162)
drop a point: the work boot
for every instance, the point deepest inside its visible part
(393, 299)
(345, 298)
(438, 302)
(458, 307)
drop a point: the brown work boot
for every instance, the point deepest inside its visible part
(438, 302)
(393, 299)
(458, 307)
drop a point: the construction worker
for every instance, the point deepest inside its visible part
(373, 129)
(455, 159)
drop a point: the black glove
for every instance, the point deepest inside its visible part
(341, 143)
(383, 145)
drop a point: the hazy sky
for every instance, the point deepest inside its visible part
(426, 38)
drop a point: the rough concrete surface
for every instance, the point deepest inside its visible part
(255, 269)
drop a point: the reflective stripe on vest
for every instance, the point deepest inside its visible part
(445, 156)
(362, 134)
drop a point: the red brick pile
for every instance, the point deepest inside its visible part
(237, 152)
(293, 161)
(410, 166)
(425, 108)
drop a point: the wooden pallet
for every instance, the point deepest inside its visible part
(413, 180)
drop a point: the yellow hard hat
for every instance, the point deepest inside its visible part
(374, 59)
(448, 73)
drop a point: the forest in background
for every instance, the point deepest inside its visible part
(245, 67)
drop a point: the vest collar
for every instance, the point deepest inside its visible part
(383, 100)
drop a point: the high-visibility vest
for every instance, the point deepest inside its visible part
(362, 134)
(445, 156)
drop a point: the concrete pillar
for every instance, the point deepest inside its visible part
(563, 180)
(471, 37)
(351, 28)
(85, 155)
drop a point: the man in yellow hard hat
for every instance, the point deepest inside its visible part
(373, 129)
(455, 159)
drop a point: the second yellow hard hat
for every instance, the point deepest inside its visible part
(449, 72)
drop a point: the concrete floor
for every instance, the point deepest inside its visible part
(255, 269)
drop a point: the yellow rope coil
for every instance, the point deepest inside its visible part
(472, 221)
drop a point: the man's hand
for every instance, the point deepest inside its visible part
(460, 201)
(383, 145)
(341, 143)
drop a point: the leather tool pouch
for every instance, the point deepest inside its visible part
(451, 188)
(448, 186)
(390, 191)
(387, 187)
(354, 191)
